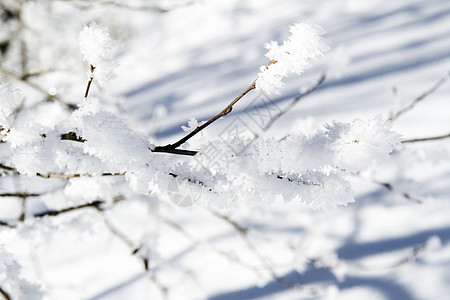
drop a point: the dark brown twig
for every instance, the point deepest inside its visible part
(91, 78)
(243, 232)
(94, 204)
(9, 169)
(430, 91)
(86, 4)
(170, 147)
(296, 100)
(5, 294)
(37, 88)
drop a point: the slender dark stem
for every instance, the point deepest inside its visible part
(91, 77)
(223, 113)
(175, 151)
(5, 294)
(431, 138)
(407, 196)
(296, 100)
(436, 86)
(10, 169)
(20, 195)
(36, 87)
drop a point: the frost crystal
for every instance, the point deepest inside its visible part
(304, 46)
(96, 47)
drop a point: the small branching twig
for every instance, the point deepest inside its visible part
(5, 294)
(431, 138)
(430, 91)
(37, 88)
(91, 78)
(243, 232)
(407, 196)
(197, 242)
(19, 195)
(72, 136)
(76, 175)
(136, 252)
(95, 204)
(174, 151)
(170, 147)
(415, 252)
(6, 224)
(55, 175)
(9, 169)
(311, 89)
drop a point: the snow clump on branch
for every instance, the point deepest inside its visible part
(304, 46)
(96, 47)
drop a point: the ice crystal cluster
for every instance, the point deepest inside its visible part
(304, 46)
(96, 47)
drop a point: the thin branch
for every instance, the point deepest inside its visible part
(91, 78)
(243, 232)
(223, 113)
(197, 242)
(95, 204)
(296, 100)
(407, 196)
(19, 195)
(135, 251)
(432, 138)
(6, 224)
(5, 294)
(174, 151)
(415, 252)
(56, 175)
(36, 87)
(9, 169)
(430, 91)
(85, 4)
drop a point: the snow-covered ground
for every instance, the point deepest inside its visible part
(391, 243)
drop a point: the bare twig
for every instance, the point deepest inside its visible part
(243, 232)
(19, 195)
(170, 147)
(36, 87)
(296, 100)
(430, 91)
(72, 136)
(76, 175)
(407, 196)
(94, 204)
(5, 294)
(431, 138)
(56, 175)
(10, 169)
(6, 224)
(174, 151)
(91, 78)
(415, 252)
(85, 4)
(135, 251)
